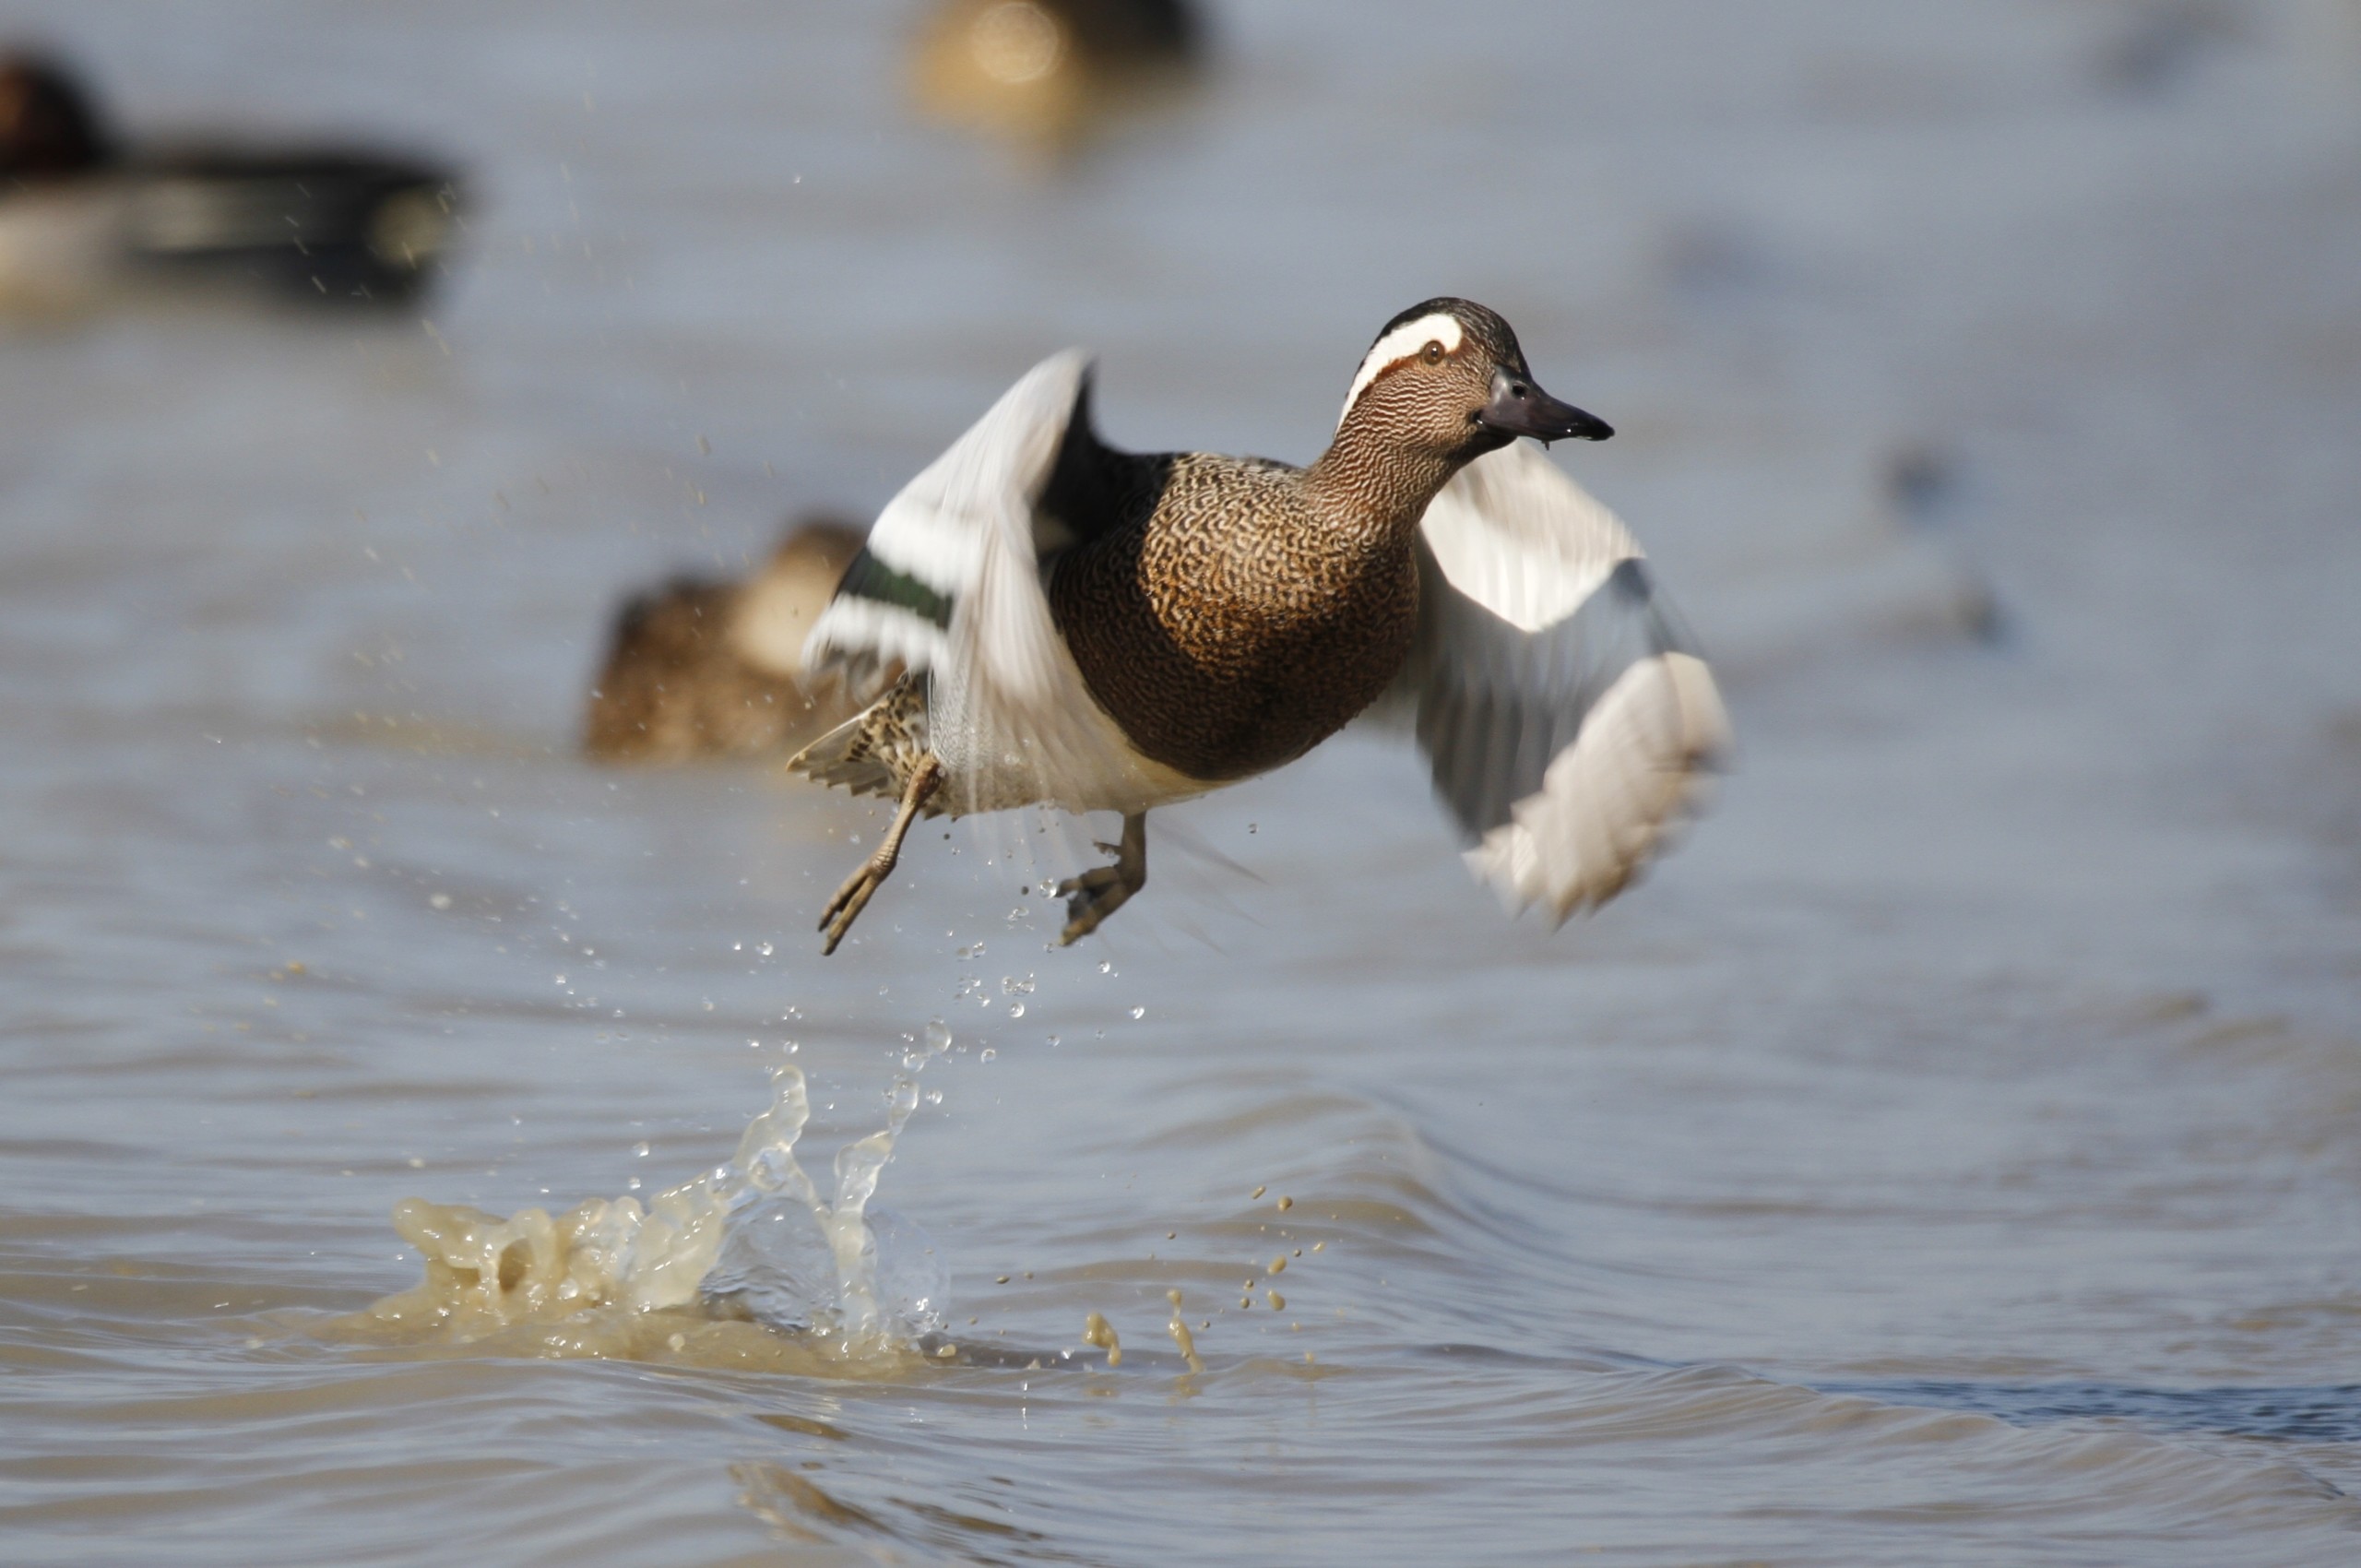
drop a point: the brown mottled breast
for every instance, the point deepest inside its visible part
(1226, 625)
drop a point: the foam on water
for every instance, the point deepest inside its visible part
(750, 1244)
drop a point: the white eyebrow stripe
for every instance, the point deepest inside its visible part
(1400, 344)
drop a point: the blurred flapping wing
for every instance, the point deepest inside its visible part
(950, 585)
(1568, 721)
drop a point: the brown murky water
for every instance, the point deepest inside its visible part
(1950, 1156)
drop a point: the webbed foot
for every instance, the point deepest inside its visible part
(1101, 891)
(862, 885)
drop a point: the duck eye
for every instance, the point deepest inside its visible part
(1432, 352)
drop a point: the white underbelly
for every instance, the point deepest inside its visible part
(999, 754)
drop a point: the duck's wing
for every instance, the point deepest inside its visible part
(1567, 717)
(950, 585)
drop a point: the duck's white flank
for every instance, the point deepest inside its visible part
(1404, 342)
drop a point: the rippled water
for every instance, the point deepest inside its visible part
(1950, 1155)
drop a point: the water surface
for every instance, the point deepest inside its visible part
(1950, 1155)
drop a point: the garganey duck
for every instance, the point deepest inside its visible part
(1054, 622)
(81, 216)
(700, 669)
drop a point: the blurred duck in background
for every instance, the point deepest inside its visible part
(701, 668)
(82, 218)
(1042, 73)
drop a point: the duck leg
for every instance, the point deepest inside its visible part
(853, 897)
(1098, 893)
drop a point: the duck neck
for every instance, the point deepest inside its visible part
(1369, 485)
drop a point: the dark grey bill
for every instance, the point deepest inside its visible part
(1519, 408)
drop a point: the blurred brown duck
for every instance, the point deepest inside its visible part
(81, 216)
(702, 669)
(1042, 71)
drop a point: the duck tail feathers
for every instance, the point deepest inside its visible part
(847, 755)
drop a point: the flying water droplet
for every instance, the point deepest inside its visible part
(1180, 1335)
(1096, 1330)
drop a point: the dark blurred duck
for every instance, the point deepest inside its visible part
(1043, 71)
(710, 670)
(81, 217)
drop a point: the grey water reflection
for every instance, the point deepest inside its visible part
(2292, 1415)
(1950, 1154)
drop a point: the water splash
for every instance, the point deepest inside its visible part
(761, 1270)
(750, 1241)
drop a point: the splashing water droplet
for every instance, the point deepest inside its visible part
(1180, 1335)
(1096, 1330)
(1139, 1012)
(1016, 1009)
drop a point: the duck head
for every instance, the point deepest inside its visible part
(47, 126)
(1446, 378)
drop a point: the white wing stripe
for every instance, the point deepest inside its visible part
(1518, 536)
(917, 540)
(886, 633)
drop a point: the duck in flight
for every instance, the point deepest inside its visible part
(1040, 619)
